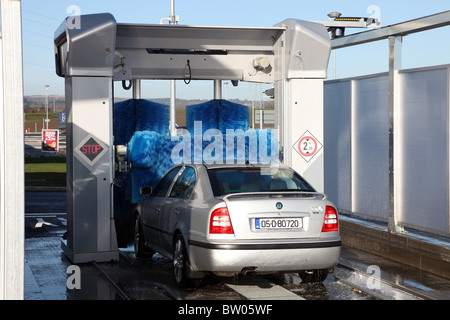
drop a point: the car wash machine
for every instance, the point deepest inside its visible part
(96, 51)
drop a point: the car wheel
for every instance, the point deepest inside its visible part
(180, 263)
(313, 276)
(139, 242)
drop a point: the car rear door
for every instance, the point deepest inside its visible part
(175, 207)
(152, 209)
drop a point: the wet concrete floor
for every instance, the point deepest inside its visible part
(48, 276)
(47, 273)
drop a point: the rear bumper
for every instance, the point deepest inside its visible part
(264, 257)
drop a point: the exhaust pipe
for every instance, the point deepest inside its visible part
(249, 270)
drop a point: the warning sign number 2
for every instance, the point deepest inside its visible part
(307, 146)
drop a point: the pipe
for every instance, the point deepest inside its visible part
(172, 110)
(172, 126)
(136, 88)
(172, 12)
(217, 89)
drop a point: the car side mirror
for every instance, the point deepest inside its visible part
(146, 191)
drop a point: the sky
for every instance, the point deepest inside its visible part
(40, 19)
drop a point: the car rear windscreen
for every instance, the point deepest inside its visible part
(225, 181)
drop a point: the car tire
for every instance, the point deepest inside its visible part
(140, 250)
(180, 263)
(313, 276)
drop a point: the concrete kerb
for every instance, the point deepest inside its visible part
(423, 252)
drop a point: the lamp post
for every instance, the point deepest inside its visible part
(46, 105)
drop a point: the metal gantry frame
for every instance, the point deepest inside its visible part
(293, 55)
(394, 34)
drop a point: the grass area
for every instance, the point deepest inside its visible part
(37, 116)
(45, 171)
(33, 121)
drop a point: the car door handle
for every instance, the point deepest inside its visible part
(177, 211)
(158, 210)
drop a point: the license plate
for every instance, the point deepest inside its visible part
(278, 223)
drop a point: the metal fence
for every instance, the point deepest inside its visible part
(357, 158)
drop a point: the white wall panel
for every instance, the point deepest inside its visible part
(356, 137)
(423, 152)
(370, 146)
(337, 132)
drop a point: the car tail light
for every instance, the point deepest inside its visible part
(220, 221)
(330, 220)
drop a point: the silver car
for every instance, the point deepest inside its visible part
(229, 219)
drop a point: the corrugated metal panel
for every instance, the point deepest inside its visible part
(424, 143)
(337, 132)
(370, 146)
